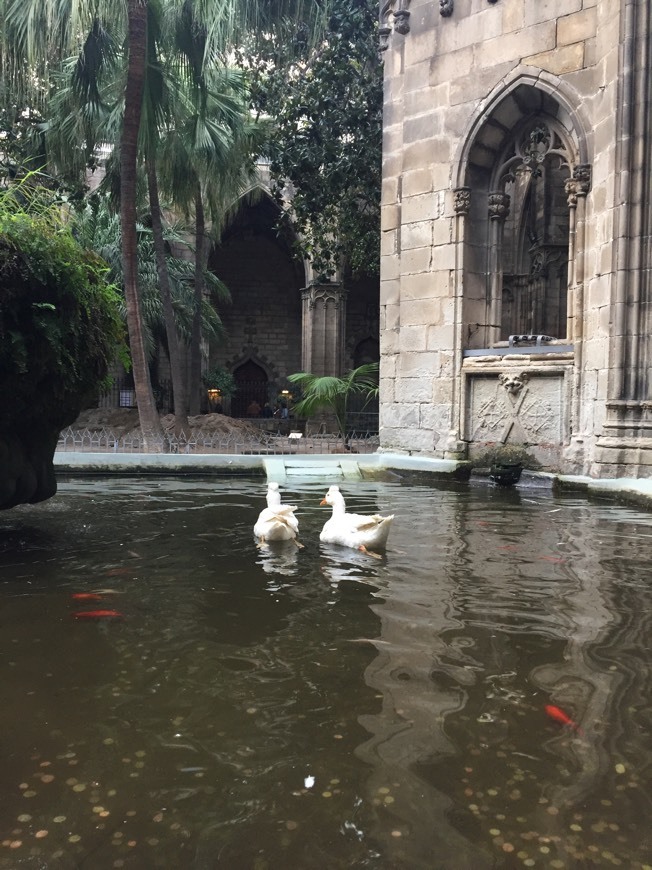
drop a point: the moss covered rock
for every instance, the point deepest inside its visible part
(60, 332)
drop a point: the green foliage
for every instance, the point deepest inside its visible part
(98, 227)
(327, 108)
(220, 379)
(60, 328)
(333, 394)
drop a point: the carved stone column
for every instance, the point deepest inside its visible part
(577, 188)
(499, 203)
(455, 448)
(324, 329)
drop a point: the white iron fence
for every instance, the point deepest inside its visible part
(199, 441)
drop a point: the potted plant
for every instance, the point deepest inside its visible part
(332, 393)
(506, 463)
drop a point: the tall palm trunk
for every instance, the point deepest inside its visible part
(200, 265)
(176, 361)
(137, 39)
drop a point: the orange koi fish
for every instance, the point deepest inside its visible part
(86, 596)
(561, 717)
(98, 614)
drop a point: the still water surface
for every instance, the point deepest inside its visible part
(316, 708)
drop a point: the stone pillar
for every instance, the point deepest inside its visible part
(577, 188)
(324, 329)
(455, 448)
(499, 203)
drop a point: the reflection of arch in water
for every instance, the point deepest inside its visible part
(252, 384)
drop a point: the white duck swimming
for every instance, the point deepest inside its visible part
(361, 531)
(277, 521)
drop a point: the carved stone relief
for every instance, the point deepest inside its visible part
(462, 201)
(446, 7)
(516, 408)
(394, 15)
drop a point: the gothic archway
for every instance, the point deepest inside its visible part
(258, 264)
(523, 170)
(252, 388)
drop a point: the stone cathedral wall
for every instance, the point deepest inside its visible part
(460, 77)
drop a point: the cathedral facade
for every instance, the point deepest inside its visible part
(516, 298)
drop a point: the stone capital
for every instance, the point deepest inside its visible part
(462, 200)
(582, 177)
(325, 293)
(499, 203)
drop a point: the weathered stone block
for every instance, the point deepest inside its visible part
(390, 217)
(576, 27)
(400, 416)
(425, 207)
(518, 45)
(389, 292)
(472, 30)
(412, 338)
(420, 312)
(415, 390)
(417, 364)
(423, 285)
(417, 260)
(549, 10)
(560, 60)
(416, 235)
(389, 242)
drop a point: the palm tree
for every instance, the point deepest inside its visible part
(208, 163)
(333, 394)
(36, 37)
(97, 227)
(150, 423)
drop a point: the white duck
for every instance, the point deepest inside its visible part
(277, 521)
(361, 531)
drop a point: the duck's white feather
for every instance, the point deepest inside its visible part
(277, 521)
(369, 531)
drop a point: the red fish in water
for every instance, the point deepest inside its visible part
(98, 614)
(563, 718)
(87, 596)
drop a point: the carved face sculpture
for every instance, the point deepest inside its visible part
(513, 383)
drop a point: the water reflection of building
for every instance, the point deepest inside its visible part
(524, 606)
(410, 727)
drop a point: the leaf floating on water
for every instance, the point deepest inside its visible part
(620, 768)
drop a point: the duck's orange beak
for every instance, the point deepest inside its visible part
(323, 501)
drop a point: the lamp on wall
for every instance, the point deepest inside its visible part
(214, 397)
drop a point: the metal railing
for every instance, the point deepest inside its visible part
(198, 441)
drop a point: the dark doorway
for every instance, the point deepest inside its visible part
(252, 390)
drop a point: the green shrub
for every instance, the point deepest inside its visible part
(60, 326)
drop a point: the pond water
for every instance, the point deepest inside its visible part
(318, 708)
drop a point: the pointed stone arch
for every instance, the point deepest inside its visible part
(521, 171)
(265, 277)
